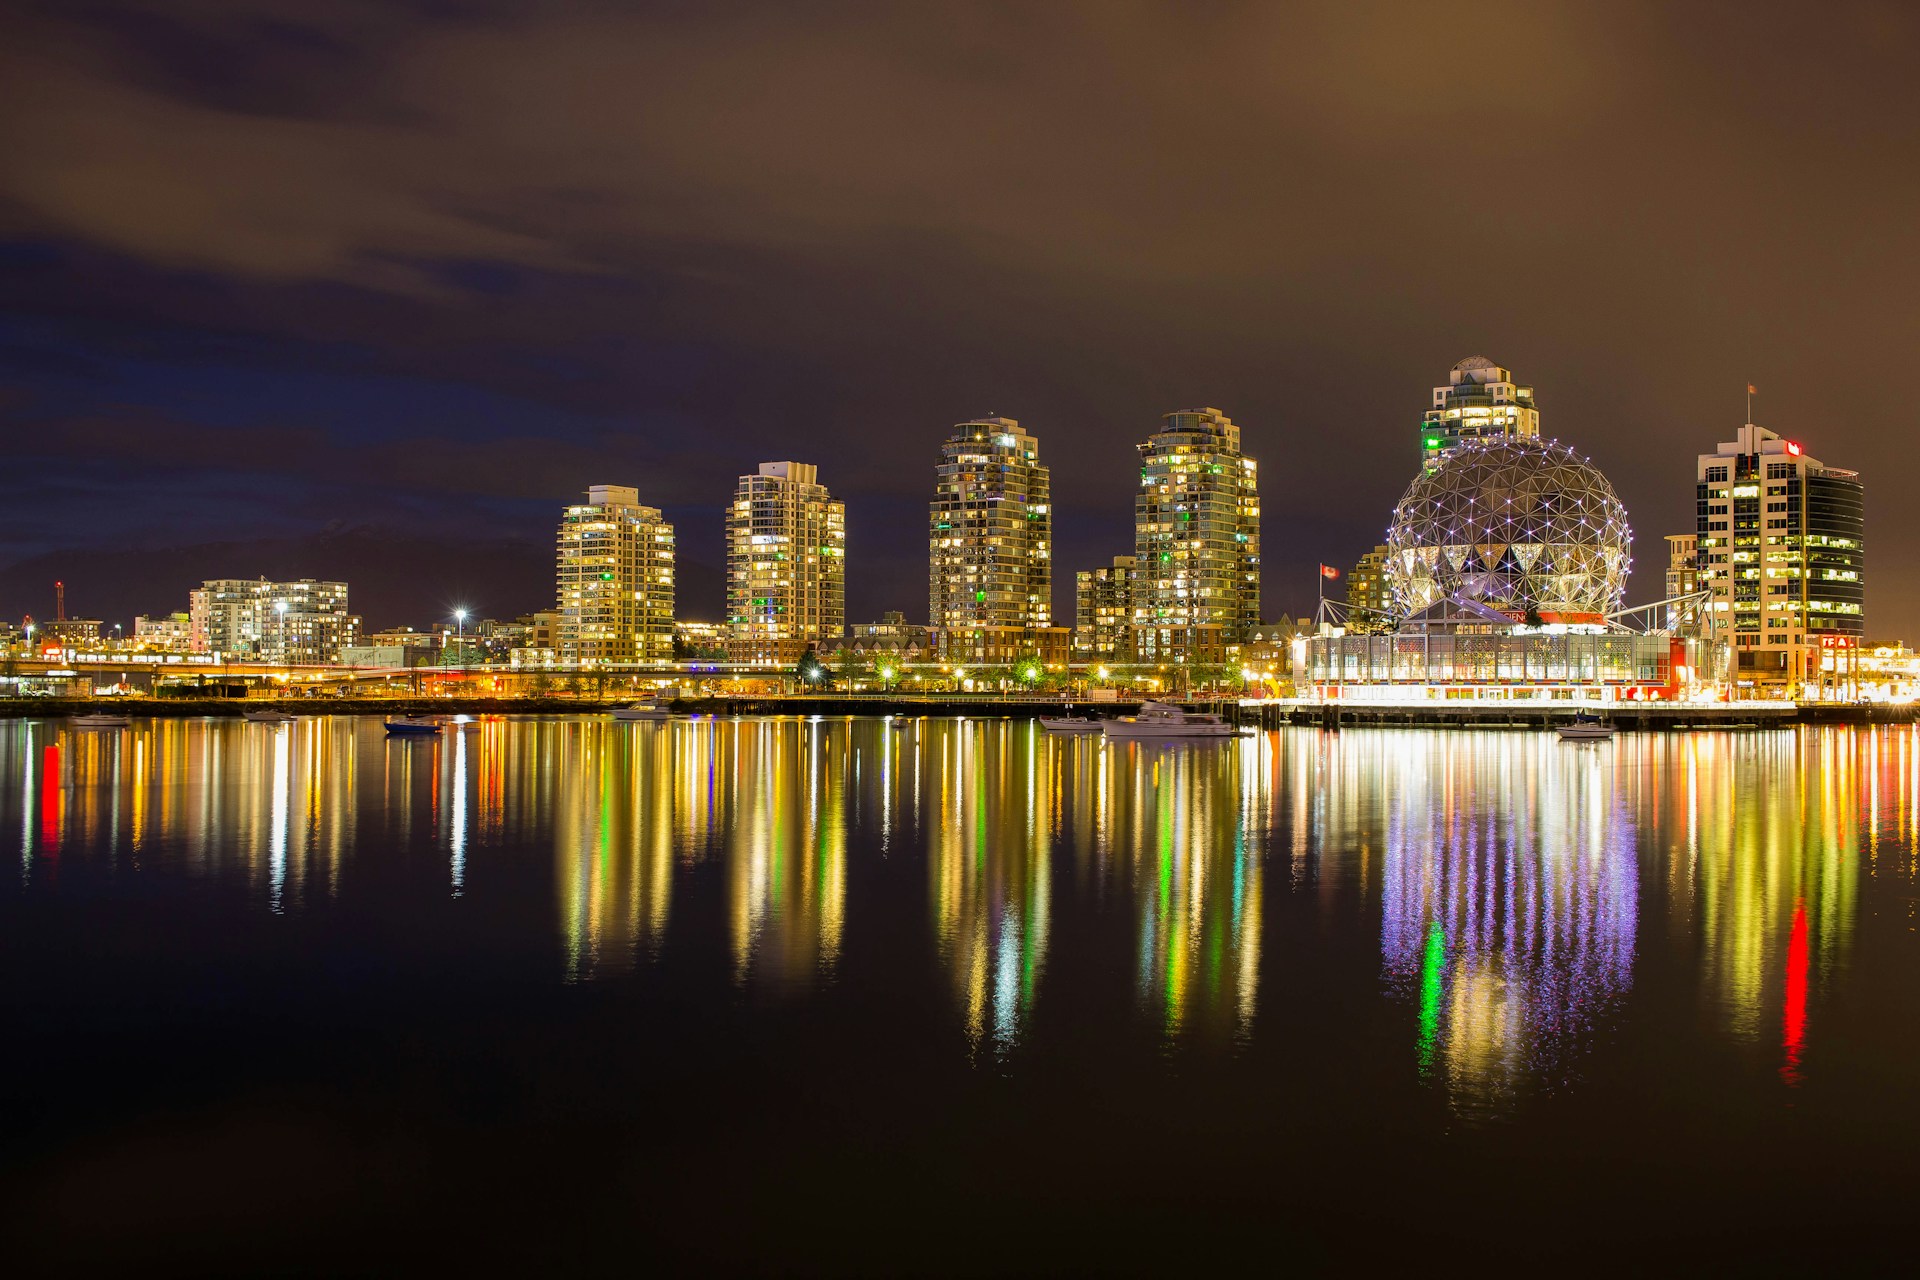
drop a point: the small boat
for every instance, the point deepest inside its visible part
(1585, 727)
(900, 723)
(1161, 720)
(642, 711)
(266, 716)
(102, 720)
(1069, 724)
(398, 726)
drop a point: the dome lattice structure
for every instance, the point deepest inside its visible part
(1518, 524)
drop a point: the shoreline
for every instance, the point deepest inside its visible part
(1263, 715)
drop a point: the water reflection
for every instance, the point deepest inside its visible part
(1507, 889)
(989, 872)
(1769, 879)
(1509, 903)
(618, 801)
(1183, 825)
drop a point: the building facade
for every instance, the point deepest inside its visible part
(990, 537)
(1683, 575)
(1781, 546)
(305, 621)
(1480, 400)
(892, 640)
(705, 641)
(170, 634)
(1103, 611)
(614, 580)
(1370, 594)
(1197, 540)
(786, 566)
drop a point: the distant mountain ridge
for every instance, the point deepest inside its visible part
(396, 578)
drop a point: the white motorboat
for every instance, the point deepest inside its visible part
(642, 711)
(1161, 720)
(1585, 728)
(408, 726)
(1070, 724)
(266, 716)
(102, 720)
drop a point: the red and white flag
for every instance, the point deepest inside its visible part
(1328, 571)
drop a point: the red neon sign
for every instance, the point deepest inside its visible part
(1793, 448)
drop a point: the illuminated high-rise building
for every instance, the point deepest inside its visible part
(786, 565)
(1480, 400)
(990, 542)
(1781, 548)
(614, 580)
(1103, 611)
(1197, 539)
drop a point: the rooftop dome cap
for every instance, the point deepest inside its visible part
(1476, 362)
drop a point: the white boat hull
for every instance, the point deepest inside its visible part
(1586, 733)
(266, 717)
(641, 713)
(102, 722)
(1070, 725)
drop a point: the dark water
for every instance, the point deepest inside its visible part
(772, 994)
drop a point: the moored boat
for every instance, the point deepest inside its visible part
(1070, 724)
(1585, 727)
(407, 726)
(102, 720)
(266, 716)
(1162, 720)
(642, 711)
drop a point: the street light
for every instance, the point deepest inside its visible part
(460, 635)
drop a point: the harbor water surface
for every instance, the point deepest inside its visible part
(833, 996)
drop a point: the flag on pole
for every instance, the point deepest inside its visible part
(1752, 390)
(1328, 571)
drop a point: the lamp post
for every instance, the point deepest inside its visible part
(460, 635)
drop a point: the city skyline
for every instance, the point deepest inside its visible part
(957, 470)
(442, 344)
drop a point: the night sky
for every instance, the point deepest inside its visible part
(371, 290)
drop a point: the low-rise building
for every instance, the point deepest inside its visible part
(1005, 646)
(701, 641)
(893, 635)
(170, 634)
(73, 633)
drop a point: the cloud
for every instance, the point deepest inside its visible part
(490, 252)
(1119, 138)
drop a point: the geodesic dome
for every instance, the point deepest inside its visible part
(1515, 523)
